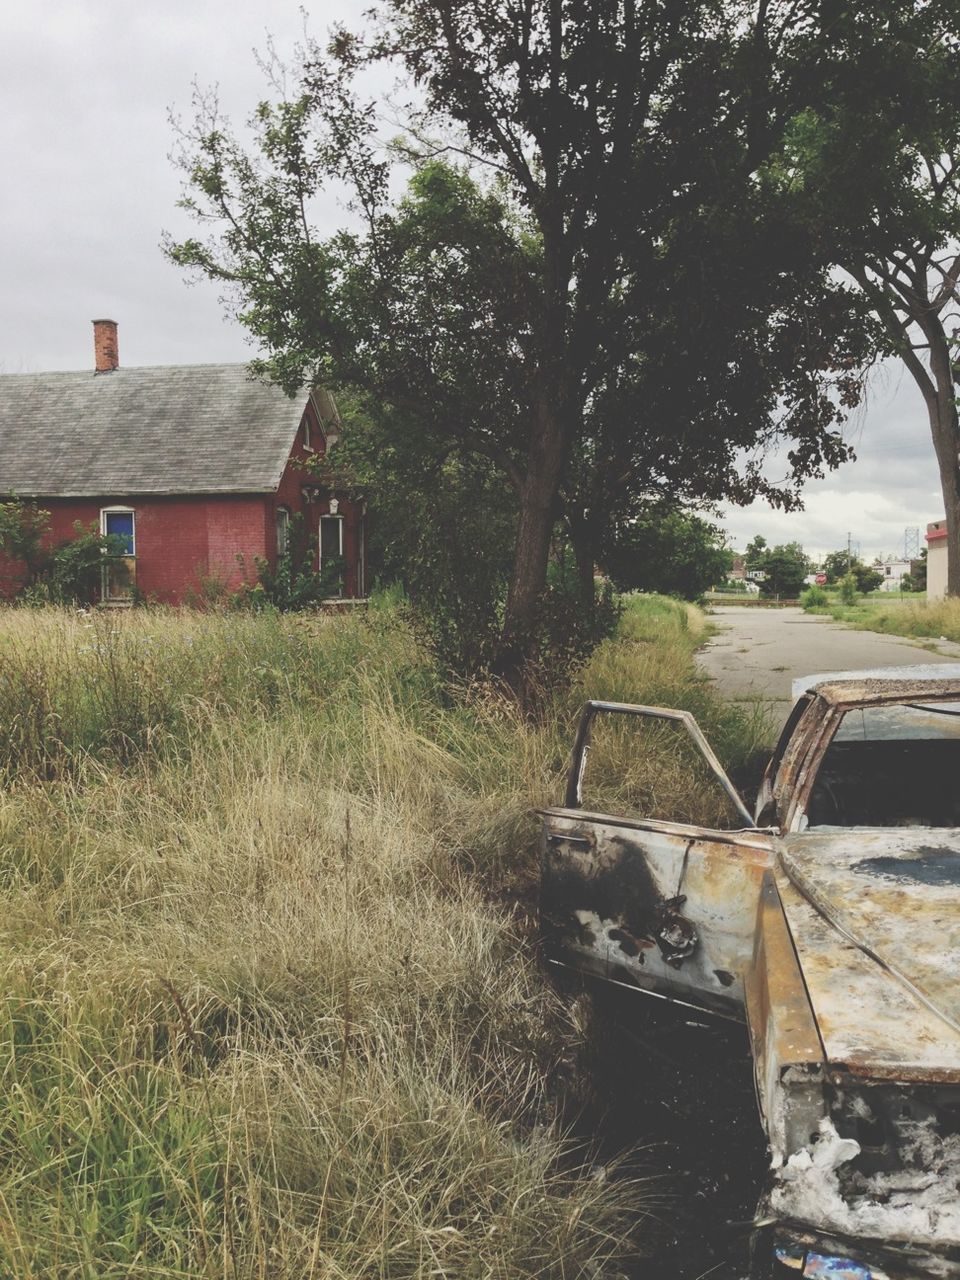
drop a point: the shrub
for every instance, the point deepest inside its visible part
(848, 589)
(72, 572)
(292, 583)
(76, 568)
(23, 528)
(814, 597)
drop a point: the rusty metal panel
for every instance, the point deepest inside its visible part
(670, 910)
(788, 1054)
(801, 761)
(877, 692)
(871, 1024)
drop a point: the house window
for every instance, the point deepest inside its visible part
(120, 576)
(119, 521)
(283, 530)
(331, 546)
(306, 434)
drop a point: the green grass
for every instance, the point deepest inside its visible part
(272, 1005)
(906, 616)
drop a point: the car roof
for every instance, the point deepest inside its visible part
(919, 673)
(883, 684)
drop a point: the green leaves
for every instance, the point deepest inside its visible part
(673, 552)
(23, 527)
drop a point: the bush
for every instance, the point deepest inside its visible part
(292, 583)
(72, 572)
(570, 631)
(848, 589)
(814, 597)
(23, 528)
(76, 568)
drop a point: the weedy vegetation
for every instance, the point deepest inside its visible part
(904, 616)
(271, 998)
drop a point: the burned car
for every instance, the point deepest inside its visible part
(828, 920)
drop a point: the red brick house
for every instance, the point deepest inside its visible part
(197, 466)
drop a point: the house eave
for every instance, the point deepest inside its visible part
(119, 491)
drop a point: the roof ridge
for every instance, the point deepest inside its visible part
(135, 368)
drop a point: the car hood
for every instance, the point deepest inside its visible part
(875, 917)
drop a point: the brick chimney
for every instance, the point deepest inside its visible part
(105, 346)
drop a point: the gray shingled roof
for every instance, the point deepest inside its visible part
(205, 428)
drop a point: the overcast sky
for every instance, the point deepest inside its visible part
(88, 189)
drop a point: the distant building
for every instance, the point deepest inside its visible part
(738, 571)
(936, 559)
(893, 572)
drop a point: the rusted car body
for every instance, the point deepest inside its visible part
(828, 920)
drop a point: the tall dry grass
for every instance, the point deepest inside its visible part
(271, 1005)
(936, 619)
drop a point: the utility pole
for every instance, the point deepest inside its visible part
(849, 561)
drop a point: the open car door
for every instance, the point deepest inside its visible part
(664, 906)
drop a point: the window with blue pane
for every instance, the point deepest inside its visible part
(120, 575)
(120, 523)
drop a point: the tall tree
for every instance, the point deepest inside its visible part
(674, 552)
(879, 164)
(785, 568)
(649, 293)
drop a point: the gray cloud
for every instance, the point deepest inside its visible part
(88, 189)
(892, 484)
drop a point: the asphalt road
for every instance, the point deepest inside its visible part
(757, 653)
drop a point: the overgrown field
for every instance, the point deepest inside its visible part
(272, 1000)
(907, 617)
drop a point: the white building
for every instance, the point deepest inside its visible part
(893, 574)
(936, 559)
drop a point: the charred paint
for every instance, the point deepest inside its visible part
(676, 936)
(932, 865)
(629, 945)
(620, 888)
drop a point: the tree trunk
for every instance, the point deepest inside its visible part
(945, 429)
(549, 442)
(936, 385)
(545, 459)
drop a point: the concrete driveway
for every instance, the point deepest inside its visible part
(757, 653)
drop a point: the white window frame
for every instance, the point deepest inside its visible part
(306, 434)
(284, 512)
(105, 595)
(339, 520)
(121, 511)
